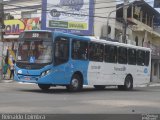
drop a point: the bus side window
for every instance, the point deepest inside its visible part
(79, 50)
(110, 54)
(61, 50)
(132, 56)
(96, 51)
(147, 58)
(140, 57)
(122, 55)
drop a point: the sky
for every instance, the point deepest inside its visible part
(151, 3)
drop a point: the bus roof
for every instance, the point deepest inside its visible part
(92, 39)
(105, 41)
(37, 31)
(120, 44)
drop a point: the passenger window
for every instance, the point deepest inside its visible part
(61, 50)
(110, 54)
(79, 50)
(132, 56)
(96, 52)
(122, 55)
(147, 58)
(140, 57)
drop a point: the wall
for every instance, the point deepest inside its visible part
(100, 23)
(16, 7)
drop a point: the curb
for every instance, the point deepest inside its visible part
(154, 84)
(6, 81)
(149, 85)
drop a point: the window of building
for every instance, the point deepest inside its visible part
(110, 54)
(136, 40)
(140, 57)
(28, 14)
(122, 55)
(79, 50)
(96, 52)
(132, 56)
(142, 42)
(61, 50)
(155, 69)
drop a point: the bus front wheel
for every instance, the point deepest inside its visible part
(44, 86)
(75, 84)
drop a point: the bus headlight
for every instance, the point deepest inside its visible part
(45, 73)
(19, 71)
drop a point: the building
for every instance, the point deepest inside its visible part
(143, 30)
(19, 16)
(90, 17)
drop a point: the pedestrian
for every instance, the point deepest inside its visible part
(12, 69)
(5, 68)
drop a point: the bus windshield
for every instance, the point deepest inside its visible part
(35, 51)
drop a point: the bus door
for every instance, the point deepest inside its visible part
(94, 73)
(121, 68)
(61, 57)
(96, 51)
(109, 74)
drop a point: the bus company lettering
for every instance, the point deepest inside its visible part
(120, 69)
(95, 67)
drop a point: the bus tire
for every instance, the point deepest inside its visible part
(99, 87)
(128, 84)
(44, 86)
(75, 83)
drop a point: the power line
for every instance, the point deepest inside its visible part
(53, 5)
(67, 12)
(87, 3)
(19, 7)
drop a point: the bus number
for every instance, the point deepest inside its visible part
(35, 35)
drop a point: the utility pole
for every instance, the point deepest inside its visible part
(124, 21)
(108, 17)
(1, 20)
(1, 36)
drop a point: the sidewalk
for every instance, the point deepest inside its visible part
(152, 84)
(7, 81)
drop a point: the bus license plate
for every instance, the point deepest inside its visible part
(27, 78)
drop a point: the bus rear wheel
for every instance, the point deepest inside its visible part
(99, 87)
(128, 84)
(44, 86)
(75, 84)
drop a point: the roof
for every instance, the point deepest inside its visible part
(143, 4)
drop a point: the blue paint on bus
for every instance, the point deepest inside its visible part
(50, 73)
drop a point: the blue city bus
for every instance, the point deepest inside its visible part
(60, 59)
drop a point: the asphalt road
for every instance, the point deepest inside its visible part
(28, 98)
